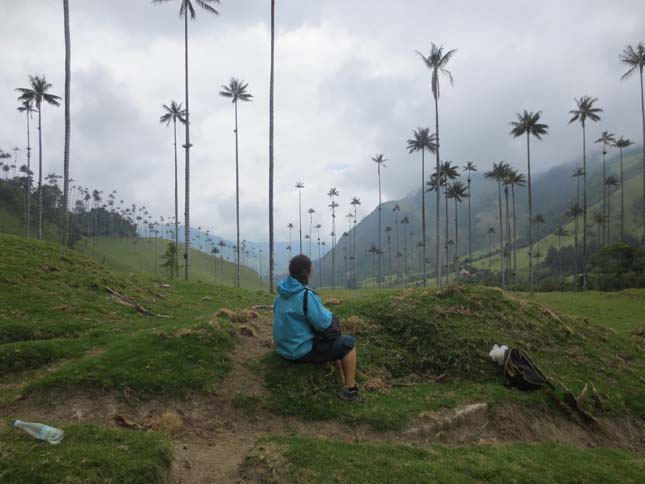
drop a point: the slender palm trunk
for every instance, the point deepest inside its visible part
(176, 262)
(438, 198)
(530, 186)
(456, 235)
(514, 233)
(501, 232)
(333, 246)
(584, 191)
(237, 202)
(379, 225)
(604, 192)
(559, 257)
(398, 248)
(28, 176)
(423, 213)
(187, 146)
(405, 258)
(355, 253)
(643, 120)
(470, 235)
(300, 218)
(271, 100)
(447, 234)
(68, 60)
(508, 234)
(311, 225)
(40, 174)
(622, 200)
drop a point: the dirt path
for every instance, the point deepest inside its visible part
(213, 433)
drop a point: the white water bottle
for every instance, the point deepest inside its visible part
(41, 431)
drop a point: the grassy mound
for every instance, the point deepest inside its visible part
(87, 454)
(61, 327)
(423, 336)
(300, 460)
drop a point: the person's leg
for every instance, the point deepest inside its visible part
(339, 372)
(349, 368)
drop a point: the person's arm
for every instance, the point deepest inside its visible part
(317, 315)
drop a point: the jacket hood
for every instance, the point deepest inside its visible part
(289, 287)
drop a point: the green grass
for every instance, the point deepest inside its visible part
(86, 454)
(623, 311)
(56, 310)
(310, 460)
(143, 255)
(420, 334)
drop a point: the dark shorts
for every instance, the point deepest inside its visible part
(325, 351)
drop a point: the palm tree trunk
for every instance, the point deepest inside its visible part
(622, 200)
(405, 258)
(355, 253)
(300, 218)
(559, 257)
(604, 192)
(423, 213)
(447, 235)
(237, 202)
(643, 120)
(584, 206)
(438, 198)
(508, 233)
(40, 175)
(608, 240)
(379, 225)
(187, 146)
(530, 187)
(68, 60)
(470, 237)
(28, 177)
(311, 224)
(176, 262)
(271, 100)
(501, 232)
(456, 234)
(514, 234)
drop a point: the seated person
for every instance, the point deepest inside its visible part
(304, 331)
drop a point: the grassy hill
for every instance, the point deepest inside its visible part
(144, 255)
(143, 351)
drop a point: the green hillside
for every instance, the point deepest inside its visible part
(144, 255)
(633, 193)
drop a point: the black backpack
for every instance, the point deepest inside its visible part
(522, 373)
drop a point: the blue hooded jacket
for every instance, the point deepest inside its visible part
(293, 333)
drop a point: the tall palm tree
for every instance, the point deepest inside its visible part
(574, 212)
(290, 227)
(515, 179)
(491, 232)
(174, 113)
(610, 183)
(498, 173)
(423, 141)
(622, 143)
(437, 62)
(28, 109)
(356, 202)
(599, 220)
(380, 161)
(584, 110)
(271, 161)
(320, 265)
(185, 10)
(457, 191)
(68, 80)
(332, 194)
(36, 95)
(300, 186)
(448, 172)
(635, 60)
(405, 221)
(395, 210)
(528, 123)
(388, 231)
(539, 220)
(469, 168)
(559, 233)
(607, 139)
(236, 91)
(311, 212)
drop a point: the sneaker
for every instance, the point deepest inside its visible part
(349, 394)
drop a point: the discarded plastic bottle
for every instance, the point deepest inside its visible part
(41, 431)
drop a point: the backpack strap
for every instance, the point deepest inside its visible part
(305, 301)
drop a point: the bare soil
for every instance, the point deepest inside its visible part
(212, 434)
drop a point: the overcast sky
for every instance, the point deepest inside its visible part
(348, 85)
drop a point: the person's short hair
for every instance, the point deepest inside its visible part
(299, 264)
